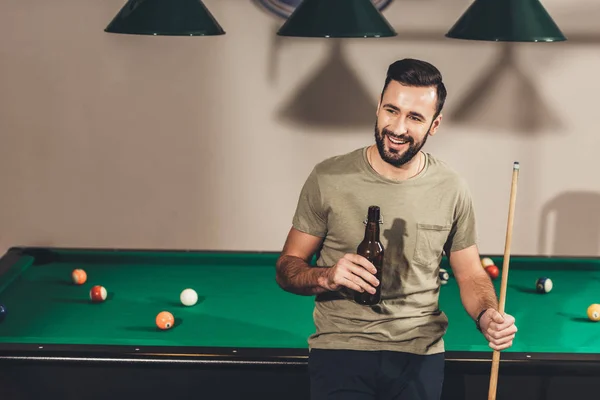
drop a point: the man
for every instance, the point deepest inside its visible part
(392, 350)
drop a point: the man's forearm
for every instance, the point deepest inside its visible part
(477, 293)
(294, 275)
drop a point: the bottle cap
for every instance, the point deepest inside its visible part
(374, 213)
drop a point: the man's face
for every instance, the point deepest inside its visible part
(405, 121)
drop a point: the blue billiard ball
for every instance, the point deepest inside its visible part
(543, 285)
(2, 312)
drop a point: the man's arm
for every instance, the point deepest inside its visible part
(477, 294)
(295, 275)
(476, 289)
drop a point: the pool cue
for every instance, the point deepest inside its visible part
(503, 284)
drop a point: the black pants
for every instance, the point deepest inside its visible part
(375, 375)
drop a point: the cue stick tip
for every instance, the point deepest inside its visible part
(516, 165)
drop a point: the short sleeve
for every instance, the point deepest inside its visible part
(310, 216)
(463, 233)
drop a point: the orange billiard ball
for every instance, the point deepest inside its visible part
(98, 293)
(79, 276)
(165, 320)
(593, 312)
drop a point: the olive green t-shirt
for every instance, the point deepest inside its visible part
(420, 219)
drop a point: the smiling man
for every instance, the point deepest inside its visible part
(394, 349)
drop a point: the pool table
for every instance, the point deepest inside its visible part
(247, 338)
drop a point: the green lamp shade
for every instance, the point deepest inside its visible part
(165, 17)
(336, 19)
(508, 21)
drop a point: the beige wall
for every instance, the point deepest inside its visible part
(204, 143)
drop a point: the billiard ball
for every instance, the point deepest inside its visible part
(79, 276)
(188, 297)
(444, 276)
(492, 271)
(165, 320)
(98, 293)
(593, 312)
(486, 262)
(2, 312)
(543, 285)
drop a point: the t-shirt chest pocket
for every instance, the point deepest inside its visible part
(430, 240)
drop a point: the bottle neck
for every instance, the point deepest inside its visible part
(372, 231)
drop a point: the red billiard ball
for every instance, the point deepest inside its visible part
(492, 271)
(98, 293)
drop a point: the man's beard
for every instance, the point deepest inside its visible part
(392, 156)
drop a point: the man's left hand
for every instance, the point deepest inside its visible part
(498, 329)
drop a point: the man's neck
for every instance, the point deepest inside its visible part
(402, 173)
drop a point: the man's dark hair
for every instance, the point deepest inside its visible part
(411, 72)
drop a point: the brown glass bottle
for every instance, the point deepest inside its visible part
(372, 249)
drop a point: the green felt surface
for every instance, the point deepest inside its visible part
(240, 305)
(554, 322)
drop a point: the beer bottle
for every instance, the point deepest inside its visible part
(372, 249)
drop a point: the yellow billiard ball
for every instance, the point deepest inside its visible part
(593, 312)
(486, 262)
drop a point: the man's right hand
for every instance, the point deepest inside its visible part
(352, 271)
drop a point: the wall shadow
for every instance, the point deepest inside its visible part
(505, 97)
(333, 97)
(570, 225)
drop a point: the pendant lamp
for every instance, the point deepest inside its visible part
(507, 21)
(336, 19)
(165, 17)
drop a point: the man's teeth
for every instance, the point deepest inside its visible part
(395, 141)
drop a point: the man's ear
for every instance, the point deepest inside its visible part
(435, 125)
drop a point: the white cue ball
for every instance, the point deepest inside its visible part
(188, 297)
